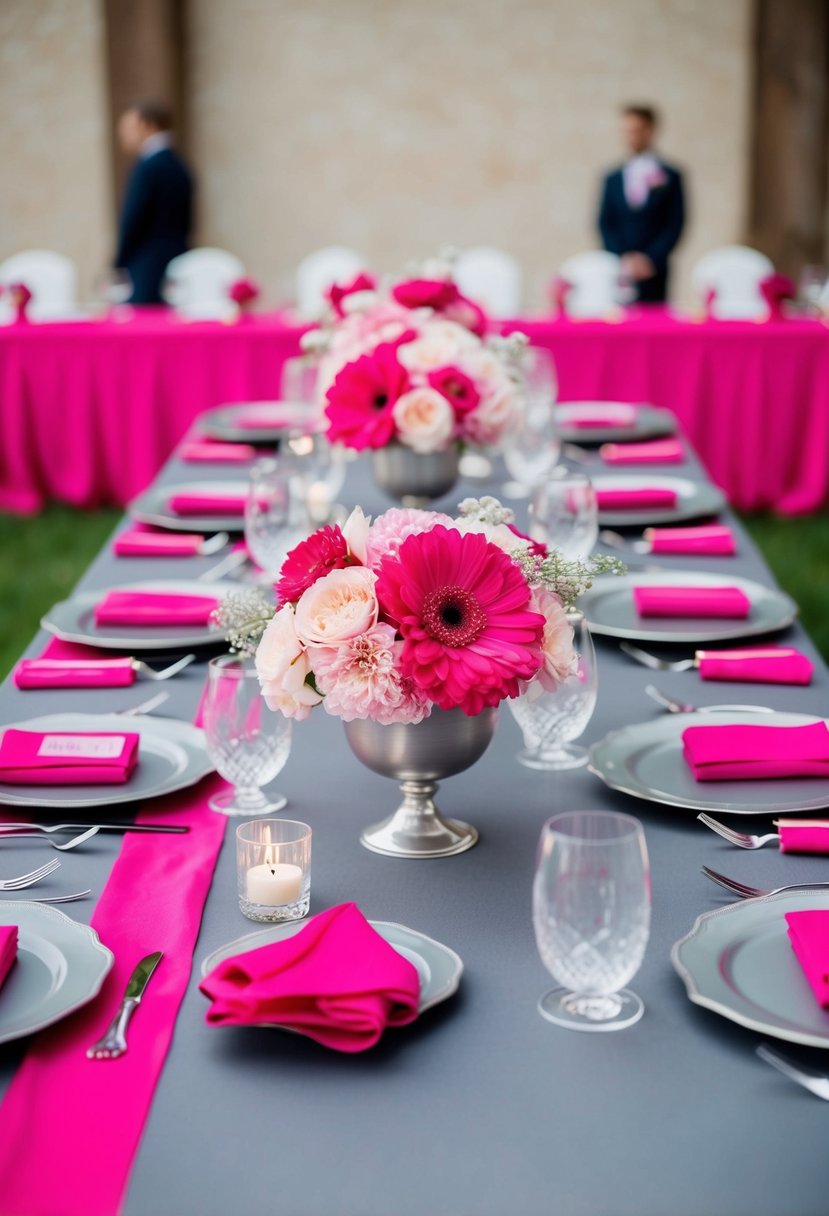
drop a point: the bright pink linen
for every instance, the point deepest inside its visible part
(656, 451)
(153, 901)
(753, 753)
(263, 417)
(207, 504)
(596, 417)
(691, 601)
(74, 673)
(716, 540)
(809, 936)
(336, 981)
(803, 836)
(635, 499)
(209, 451)
(8, 950)
(757, 664)
(148, 608)
(144, 542)
(31, 757)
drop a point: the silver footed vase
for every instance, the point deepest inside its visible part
(419, 755)
(415, 478)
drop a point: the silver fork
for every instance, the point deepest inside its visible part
(166, 672)
(58, 899)
(653, 661)
(743, 840)
(62, 848)
(228, 563)
(28, 880)
(213, 544)
(615, 540)
(683, 707)
(816, 1082)
(145, 707)
(748, 892)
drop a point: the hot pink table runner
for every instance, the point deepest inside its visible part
(153, 901)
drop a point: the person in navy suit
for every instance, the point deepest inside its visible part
(642, 210)
(158, 205)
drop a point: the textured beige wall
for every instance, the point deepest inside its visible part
(54, 181)
(398, 125)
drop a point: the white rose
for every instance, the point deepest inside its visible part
(339, 606)
(424, 419)
(282, 666)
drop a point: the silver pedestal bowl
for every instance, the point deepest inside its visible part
(415, 478)
(418, 755)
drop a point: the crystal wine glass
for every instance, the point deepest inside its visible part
(248, 743)
(564, 514)
(591, 914)
(531, 449)
(276, 514)
(550, 721)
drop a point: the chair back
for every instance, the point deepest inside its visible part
(50, 277)
(491, 278)
(197, 283)
(595, 283)
(317, 272)
(733, 274)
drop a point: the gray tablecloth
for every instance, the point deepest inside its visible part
(482, 1108)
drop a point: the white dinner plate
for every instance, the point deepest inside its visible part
(646, 761)
(60, 966)
(738, 961)
(649, 423)
(275, 419)
(439, 969)
(171, 756)
(152, 507)
(694, 499)
(609, 609)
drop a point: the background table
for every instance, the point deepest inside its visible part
(481, 1109)
(753, 397)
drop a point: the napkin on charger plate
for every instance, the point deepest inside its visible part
(679, 601)
(32, 757)
(639, 498)
(755, 664)
(8, 950)
(211, 451)
(809, 937)
(207, 504)
(708, 539)
(154, 608)
(75, 673)
(655, 451)
(336, 981)
(136, 542)
(754, 753)
(602, 417)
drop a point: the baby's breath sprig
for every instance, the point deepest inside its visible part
(243, 617)
(566, 579)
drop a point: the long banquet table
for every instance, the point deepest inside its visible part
(481, 1108)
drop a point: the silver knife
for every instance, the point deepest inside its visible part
(114, 1042)
(102, 827)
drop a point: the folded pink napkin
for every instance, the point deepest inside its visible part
(74, 673)
(753, 753)
(207, 451)
(635, 499)
(336, 981)
(758, 664)
(809, 936)
(600, 418)
(657, 451)
(207, 504)
(714, 539)
(137, 543)
(32, 757)
(265, 416)
(151, 608)
(8, 950)
(691, 601)
(803, 835)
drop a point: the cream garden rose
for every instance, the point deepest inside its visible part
(337, 607)
(282, 666)
(560, 659)
(424, 419)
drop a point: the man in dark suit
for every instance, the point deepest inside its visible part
(642, 210)
(158, 205)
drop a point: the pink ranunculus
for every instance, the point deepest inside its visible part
(362, 397)
(244, 291)
(426, 293)
(389, 530)
(424, 419)
(338, 292)
(361, 679)
(338, 607)
(458, 388)
(284, 669)
(560, 659)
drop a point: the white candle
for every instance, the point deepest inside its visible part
(272, 885)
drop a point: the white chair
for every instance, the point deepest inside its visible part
(595, 282)
(197, 283)
(50, 277)
(734, 273)
(492, 278)
(316, 273)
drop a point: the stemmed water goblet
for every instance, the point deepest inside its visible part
(276, 513)
(564, 514)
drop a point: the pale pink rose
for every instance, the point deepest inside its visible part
(337, 607)
(424, 419)
(361, 679)
(560, 659)
(441, 344)
(390, 529)
(355, 530)
(497, 414)
(282, 666)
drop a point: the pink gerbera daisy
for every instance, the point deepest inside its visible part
(323, 551)
(461, 606)
(362, 397)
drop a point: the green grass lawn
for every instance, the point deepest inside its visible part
(42, 557)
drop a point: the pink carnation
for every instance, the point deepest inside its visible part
(389, 530)
(320, 553)
(361, 678)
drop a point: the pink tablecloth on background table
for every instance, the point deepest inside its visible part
(753, 397)
(90, 410)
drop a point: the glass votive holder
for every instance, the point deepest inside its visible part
(273, 869)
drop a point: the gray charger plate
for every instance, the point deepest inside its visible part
(152, 507)
(646, 761)
(609, 609)
(738, 961)
(60, 966)
(172, 756)
(439, 968)
(73, 620)
(223, 422)
(695, 499)
(650, 423)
